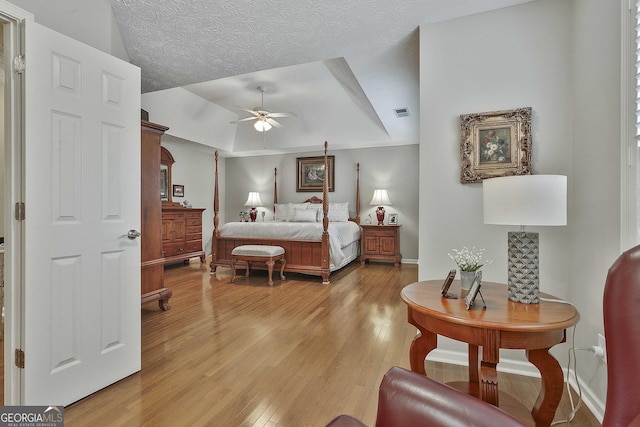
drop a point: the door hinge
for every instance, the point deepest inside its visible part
(20, 358)
(19, 211)
(19, 64)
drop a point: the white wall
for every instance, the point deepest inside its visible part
(190, 117)
(393, 168)
(510, 58)
(560, 57)
(89, 21)
(595, 232)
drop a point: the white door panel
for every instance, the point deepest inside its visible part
(82, 195)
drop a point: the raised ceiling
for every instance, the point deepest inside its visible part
(342, 66)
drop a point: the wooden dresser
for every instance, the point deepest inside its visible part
(181, 233)
(152, 268)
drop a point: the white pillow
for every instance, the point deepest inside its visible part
(281, 211)
(317, 207)
(339, 212)
(291, 209)
(304, 215)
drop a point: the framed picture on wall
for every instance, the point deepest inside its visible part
(311, 173)
(178, 191)
(495, 144)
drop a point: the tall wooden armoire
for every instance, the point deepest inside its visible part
(152, 269)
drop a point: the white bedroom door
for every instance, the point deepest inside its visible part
(81, 308)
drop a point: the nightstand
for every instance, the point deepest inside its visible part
(380, 242)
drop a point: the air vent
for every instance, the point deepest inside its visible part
(402, 112)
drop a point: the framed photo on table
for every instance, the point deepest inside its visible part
(474, 291)
(494, 144)
(393, 219)
(311, 173)
(447, 284)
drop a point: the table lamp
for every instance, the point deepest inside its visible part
(253, 200)
(534, 200)
(380, 197)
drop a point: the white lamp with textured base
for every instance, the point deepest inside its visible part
(525, 200)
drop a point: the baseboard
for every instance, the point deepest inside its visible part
(589, 398)
(408, 261)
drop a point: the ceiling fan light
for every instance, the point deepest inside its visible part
(262, 125)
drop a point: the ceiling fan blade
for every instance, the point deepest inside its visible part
(247, 110)
(244, 120)
(273, 123)
(290, 114)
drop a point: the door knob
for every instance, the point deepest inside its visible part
(133, 234)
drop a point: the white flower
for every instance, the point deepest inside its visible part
(469, 260)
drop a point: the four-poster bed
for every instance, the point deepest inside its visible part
(315, 247)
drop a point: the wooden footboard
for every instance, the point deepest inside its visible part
(302, 256)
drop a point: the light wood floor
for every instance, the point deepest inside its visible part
(294, 355)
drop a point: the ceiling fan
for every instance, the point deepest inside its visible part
(264, 119)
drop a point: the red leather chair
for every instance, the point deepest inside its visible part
(410, 399)
(621, 308)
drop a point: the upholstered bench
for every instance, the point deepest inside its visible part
(258, 253)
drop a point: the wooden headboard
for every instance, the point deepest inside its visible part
(313, 199)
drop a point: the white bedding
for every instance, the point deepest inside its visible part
(341, 234)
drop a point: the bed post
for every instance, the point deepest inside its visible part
(216, 220)
(357, 193)
(325, 270)
(275, 191)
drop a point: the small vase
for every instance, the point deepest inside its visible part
(380, 215)
(253, 214)
(466, 279)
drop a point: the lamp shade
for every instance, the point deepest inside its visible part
(253, 199)
(262, 125)
(380, 197)
(525, 200)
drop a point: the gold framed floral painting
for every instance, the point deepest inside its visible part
(496, 143)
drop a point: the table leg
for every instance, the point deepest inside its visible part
(489, 383)
(473, 364)
(421, 345)
(488, 364)
(551, 388)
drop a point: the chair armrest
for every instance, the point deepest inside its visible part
(410, 399)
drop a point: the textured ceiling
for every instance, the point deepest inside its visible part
(314, 57)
